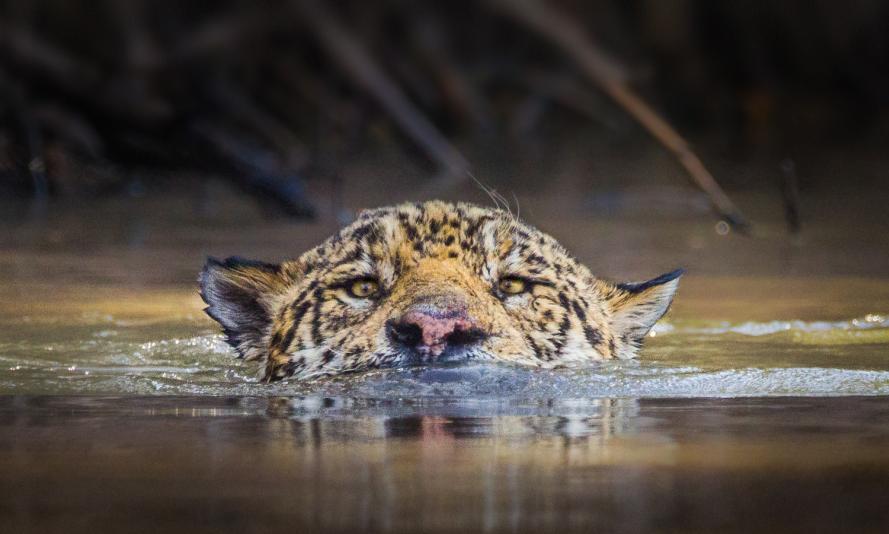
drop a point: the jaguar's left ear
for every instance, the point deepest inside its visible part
(636, 307)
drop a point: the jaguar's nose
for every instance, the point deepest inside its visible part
(430, 330)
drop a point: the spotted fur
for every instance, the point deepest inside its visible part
(299, 318)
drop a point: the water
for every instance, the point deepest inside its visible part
(283, 464)
(100, 353)
(761, 403)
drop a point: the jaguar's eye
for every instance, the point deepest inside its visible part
(512, 286)
(364, 288)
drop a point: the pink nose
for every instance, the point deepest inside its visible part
(431, 331)
(434, 331)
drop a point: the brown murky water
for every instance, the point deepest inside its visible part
(760, 404)
(247, 464)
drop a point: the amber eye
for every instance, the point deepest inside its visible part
(512, 286)
(364, 288)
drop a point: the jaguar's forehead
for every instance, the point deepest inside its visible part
(406, 233)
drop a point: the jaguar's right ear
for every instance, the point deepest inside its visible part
(240, 296)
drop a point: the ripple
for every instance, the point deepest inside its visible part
(621, 379)
(867, 322)
(710, 360)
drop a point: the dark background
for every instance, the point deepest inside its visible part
(313, 109)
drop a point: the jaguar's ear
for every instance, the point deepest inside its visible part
(240, 296)
(635, 307)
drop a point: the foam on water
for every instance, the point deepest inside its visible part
(115, 361)
(867, 322)
(622, 379)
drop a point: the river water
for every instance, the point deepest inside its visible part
(759, 403)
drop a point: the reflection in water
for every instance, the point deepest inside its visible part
(576, 421)
(324, 464)
(389, 465)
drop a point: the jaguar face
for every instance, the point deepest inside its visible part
(429, 284)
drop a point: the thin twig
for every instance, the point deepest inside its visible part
(571, 93)
(31, 135)
(460, 93)
(72, 128)
(361, 68)
(120, 98)
(247, 111)
(256, 170)
(567, 35)
(224, 33)
(790, 195)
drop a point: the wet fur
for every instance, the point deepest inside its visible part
(300, 320)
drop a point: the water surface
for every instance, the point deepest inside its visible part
(159, 342)
(760, 403)
(284, 464)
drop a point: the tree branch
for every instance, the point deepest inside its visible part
(569, 37)
(360, 67)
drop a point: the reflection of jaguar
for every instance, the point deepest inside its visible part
(341, 419)
(429, 283)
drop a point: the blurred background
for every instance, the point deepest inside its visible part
(743, 140)
(732, 138)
